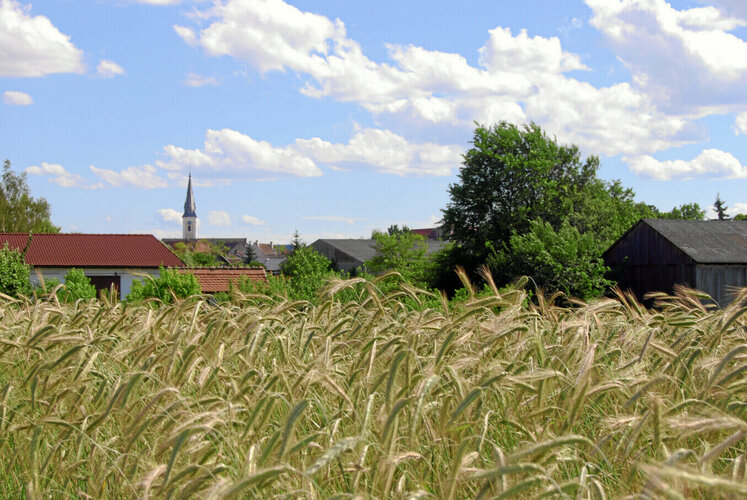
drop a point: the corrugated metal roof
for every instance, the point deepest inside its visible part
(213, 280)
(706, 242)
(93, 250)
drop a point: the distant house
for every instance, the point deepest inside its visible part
(268, 255)
(217, 279)
(429, 233)
(349, 254)
(656, 254)
(108, 259)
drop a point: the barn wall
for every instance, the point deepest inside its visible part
(720, 281)
(644, 261)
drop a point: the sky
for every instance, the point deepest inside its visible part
(338, 117)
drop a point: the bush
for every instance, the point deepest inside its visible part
(308, 271)
(170, 283)
(14, 273)
(77, 286)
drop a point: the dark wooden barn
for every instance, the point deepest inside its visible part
(656, 254)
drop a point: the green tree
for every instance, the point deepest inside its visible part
(564, 260)
(510, 177)
(720, 207)
(14, 273)
(404, 252)
(77, 286)
(296, 242)
(308, 271)
(19, 211)
(687, 211)
(191, 258)
(169, 283)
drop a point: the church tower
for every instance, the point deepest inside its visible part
(189, 219)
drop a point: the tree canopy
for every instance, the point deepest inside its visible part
(19, 211)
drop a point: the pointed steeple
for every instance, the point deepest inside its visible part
(189, 203)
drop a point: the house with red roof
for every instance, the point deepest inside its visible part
(220, 279)
(107, 259)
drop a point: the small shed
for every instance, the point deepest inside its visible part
(107, 259)
(656, 254)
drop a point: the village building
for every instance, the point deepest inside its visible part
(350, 254)
(656, 254)
(214, 280)
(107, 259)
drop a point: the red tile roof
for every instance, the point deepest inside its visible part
(93, 250)
(216, 279)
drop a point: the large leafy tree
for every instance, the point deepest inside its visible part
(19, 211)
(402, 251)
(511, 176)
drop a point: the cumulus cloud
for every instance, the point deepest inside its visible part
(16, 98)
(386, 152)
(32, 46)
(250, 219)
(170, 215)
(687, 60)
(144, 176)
(58, 175)
(109, 69)
(195, 80)
(711, 163)
(740, 124)
(219, 218)
(519, 77)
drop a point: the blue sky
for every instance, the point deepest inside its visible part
(339, 117)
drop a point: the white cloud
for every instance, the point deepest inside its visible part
(335, 218)
(250, 219)
(740, 124)
(158, 2)
(386, 152)
(109, 69)
(144, 176)
(686, 60)
(228, 151)
(32, 46)
(711, 163)
(170, 215)
(737, 209)
(16, 98)
(219, 218)
(195, 80)
(58, 175)
(519, 78)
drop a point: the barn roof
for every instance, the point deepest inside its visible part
(706, 242)
(93, 250)
(365, 249)
(217, 279)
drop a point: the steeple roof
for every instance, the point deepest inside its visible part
(189, 203)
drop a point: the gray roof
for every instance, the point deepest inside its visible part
(706, 242)
(189, 203)
(364, 249)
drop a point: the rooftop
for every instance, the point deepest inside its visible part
(217, 279)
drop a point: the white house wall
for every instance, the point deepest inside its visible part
(126, 276)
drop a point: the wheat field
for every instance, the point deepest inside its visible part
(498, 397)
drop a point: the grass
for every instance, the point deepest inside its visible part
(495, 398)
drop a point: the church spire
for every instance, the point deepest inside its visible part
(189, 219)
(189, 203)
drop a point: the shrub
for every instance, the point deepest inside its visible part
(77, 286)
(170, 283)
(308, 271)
(14, 273)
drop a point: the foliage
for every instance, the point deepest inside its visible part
(720, 207)
(498, 398)
(308, 271)
(563, 260)
(170, 283)
(191, 258)
(510, 177)
(77, 286)
(250, 258)
(296, 242)
(19, 211)
(14, 273)
(687, 211)
(403, 252)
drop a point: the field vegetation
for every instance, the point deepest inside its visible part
(373, 394)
